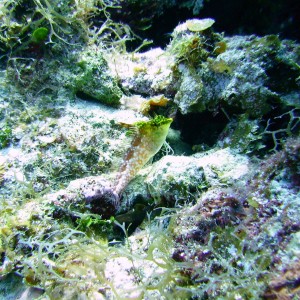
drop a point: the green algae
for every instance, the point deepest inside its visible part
(5, 136)
(91, 79)
(40, 35)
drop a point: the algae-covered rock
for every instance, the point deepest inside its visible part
(175, 179)
(245, 226)
(171, 181)
(145, 73)
(202, 70)
(224, 167)
(90, 78)
(190, 91)
(242, 135)
(180, 179)
(244, 84)
(90, 194)
(237, 73)
(205, 71)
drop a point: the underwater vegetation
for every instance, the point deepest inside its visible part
(52, 22)
(161, 174)
(5, 136)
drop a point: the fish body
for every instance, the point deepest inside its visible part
(148, 139)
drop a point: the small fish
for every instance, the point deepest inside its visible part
(148, 139)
